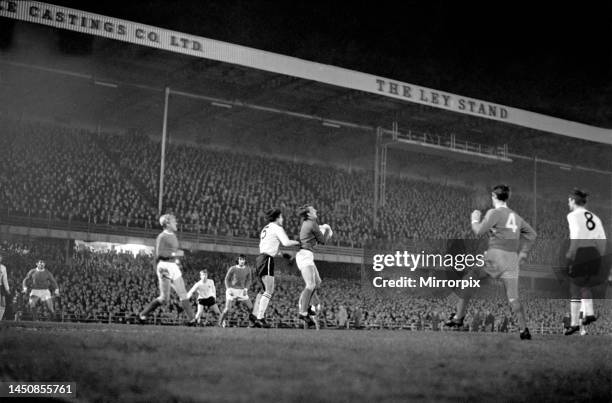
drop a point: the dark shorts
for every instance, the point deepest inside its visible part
(264, 264)
(207, 302)
(587, 263)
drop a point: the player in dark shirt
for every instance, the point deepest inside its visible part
(41, 283)
(310, 235)
(169, 274)
(237, 283)
(505, 229)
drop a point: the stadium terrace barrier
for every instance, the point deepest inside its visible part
(173, 320)
(88, 231)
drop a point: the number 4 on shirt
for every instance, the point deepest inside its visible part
(511, 223)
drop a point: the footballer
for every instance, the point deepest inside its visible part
(41, 283)
(207, 295)
(505, 230)
(271, 237)
(311, 234)
(169, 274)
(587, 247)
(237, 283)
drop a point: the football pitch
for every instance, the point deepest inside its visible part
(156, 363)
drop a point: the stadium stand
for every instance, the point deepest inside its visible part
(113, 179)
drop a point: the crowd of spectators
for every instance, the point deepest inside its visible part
(112, 286)
(62, 174)
(55, 173)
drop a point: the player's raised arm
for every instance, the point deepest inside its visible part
(481, 228)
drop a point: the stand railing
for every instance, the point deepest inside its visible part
(281, 323)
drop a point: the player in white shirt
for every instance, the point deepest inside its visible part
(207, 295)
(4, 288)
(587, 247)
(272, 236)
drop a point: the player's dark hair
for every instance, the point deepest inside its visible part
(579, 197)
(241, 257)
(304, 210)
(502, 192)
(273, 214)
(203, 271)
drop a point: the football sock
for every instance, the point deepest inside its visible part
(461, 306)
(521, 319)
(314, 299)
(575, 312)
(263, 304)
(304, 301)
(587, 307)
(150, 308)
(186, 304)
(256, 304)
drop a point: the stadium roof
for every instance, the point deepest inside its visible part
(96, 79)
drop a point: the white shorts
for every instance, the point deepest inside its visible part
(42, 294)
(304, 258)
(236, 294)
(169, 270)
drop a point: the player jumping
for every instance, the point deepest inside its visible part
(587, 247)
(237, 283)
(310, 236)
(41, 283)
(169, 274)
(271, 237)
(505, 229)
(207, 295)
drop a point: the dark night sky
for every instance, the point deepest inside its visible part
(556, 61)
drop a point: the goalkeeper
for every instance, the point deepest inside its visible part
(311, 234)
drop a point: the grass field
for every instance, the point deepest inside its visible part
(153, 363)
